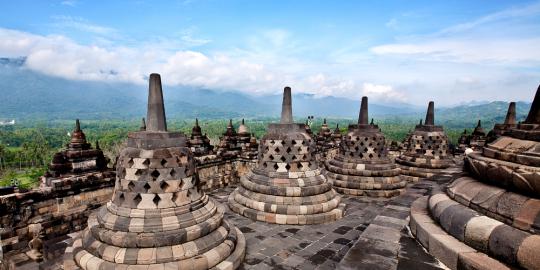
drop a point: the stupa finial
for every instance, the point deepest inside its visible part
(155, 116)
(430, 115)
(77, 125)
(143, 125)
(363, 117)
(286, 108)
(511, 114)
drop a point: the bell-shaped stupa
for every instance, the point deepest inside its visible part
(427, 149)
(362, 166)
(287, 186)
(158, 217)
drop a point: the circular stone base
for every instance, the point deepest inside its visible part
(292, 219)
(228, 253)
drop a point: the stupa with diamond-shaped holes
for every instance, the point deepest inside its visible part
(362, 166)
(287, 186)
(427, 149)
(158, 217)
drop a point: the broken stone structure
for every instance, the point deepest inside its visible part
(362, 166)
(199, 143)
(79, 162)
(509, 123)
(287, 186)
(158, 217)
(427, 149)
(491, 218)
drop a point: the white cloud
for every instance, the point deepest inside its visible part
(491, 39)
(382, 92)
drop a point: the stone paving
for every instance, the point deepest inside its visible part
(375, 228)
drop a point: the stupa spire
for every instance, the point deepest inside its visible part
(77, 125)
(534, 114)
(363, 117)
(511, 114)
(155, 116)
(430, 115)
(479, 125)
(286, 107)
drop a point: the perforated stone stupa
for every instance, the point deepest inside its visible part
(490, 219)
(287, 186)
(158, 217)
(427, 149)
(362, 166)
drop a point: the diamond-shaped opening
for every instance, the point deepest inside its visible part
(137, 199)
(131, 186)
(130, 163)
(272, 142)
(288, 167)
(146, 162)
(156, 199)
(294, 157)
(138, 172)
(121, 198)
(163, 162)
(370, 155)
(276, 166)
(293, 142)
(174, 196)
(146, 187)
(264, 165)
(289, 150)
(271, 157)
(155, 174)
(173, 173)
(283, 158)
(277, 150)
(300, 166)
(164, 186)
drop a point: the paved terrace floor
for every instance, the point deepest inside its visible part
(373, 234)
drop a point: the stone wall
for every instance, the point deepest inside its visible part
(52, 212)
(215, 173)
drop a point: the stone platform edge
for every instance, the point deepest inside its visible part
(450, 251)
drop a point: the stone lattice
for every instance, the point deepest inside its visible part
(427, 149)
(287, 186)
(494, 212)
(362, 166)
(158, 217)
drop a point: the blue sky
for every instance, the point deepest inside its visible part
(392, 51)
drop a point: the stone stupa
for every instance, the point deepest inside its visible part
(158, 218)
(491, 218)
(427, 150)
(362, 166)
(287, 186)
(501, 129)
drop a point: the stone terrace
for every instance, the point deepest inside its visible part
(373, 234)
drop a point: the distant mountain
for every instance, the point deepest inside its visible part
(25, 95)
